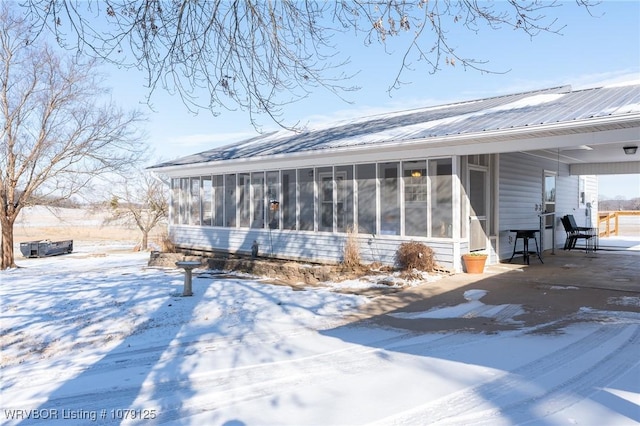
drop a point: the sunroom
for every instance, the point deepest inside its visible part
(307, 212)
(458, 177)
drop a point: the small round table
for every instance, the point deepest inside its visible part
(525, 234)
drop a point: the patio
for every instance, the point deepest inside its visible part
(565, 288)
(615, 266)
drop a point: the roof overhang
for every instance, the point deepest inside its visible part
(611, 168)
(597, 141)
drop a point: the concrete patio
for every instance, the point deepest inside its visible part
(551, 293)
(615, 265)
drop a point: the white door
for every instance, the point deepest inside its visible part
(478, 208)
(549, 206)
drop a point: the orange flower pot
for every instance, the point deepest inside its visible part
(474, 264)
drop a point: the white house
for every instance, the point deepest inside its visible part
(458, 177)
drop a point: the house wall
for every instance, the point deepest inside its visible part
(520, 181)
(298, 245)
(520, 186)
(377, 196)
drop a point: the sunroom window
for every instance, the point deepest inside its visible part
(344, 199)
(412, 198)
(175, 201)
(366, 193)
(306, 199)
(207, 201)
(194, 210)
(244, 199)
(441, 197)
(288, 205)
(257, 200)
(273, 200)
(325, 195)
(389, 198)
(230, 200)
(184, 201)
(218, 199)
(416, 193)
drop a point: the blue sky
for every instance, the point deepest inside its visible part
(591, 51)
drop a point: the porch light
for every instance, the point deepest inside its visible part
(630, 150)
(416, 173)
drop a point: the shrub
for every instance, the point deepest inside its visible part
(166, 245)
(414, 255)
(352, 249)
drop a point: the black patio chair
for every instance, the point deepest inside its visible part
(594, 232)
(575, 233)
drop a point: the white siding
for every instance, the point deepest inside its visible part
(520, 196)
(519, 192)
(296, 245)
(592, 198)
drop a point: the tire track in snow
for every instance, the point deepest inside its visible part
(319, 368)
(225, 386)
(146, 356)
(141, 361)
(229, 385)
(252, 341)
(569, 392)
(504, 391)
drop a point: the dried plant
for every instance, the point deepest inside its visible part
(414, 255)
(167, 245)
(352, 257)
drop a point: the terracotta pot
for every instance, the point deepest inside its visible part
(474, 264)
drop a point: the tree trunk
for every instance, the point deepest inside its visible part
(8, 260)
(145, 241)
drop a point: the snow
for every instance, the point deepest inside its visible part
(414, 130)
(630, 82)
(97, 337)
(530, 101)
(473, 308)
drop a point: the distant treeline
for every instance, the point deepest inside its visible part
(54, 202)
(614, 205)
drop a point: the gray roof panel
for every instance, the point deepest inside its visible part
(538, 108)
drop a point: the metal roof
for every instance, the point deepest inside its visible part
(532, 110)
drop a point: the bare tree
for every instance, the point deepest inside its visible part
(141, 201)
(58, 131)
(260, 55)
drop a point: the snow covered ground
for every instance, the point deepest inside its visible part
(97, 337)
